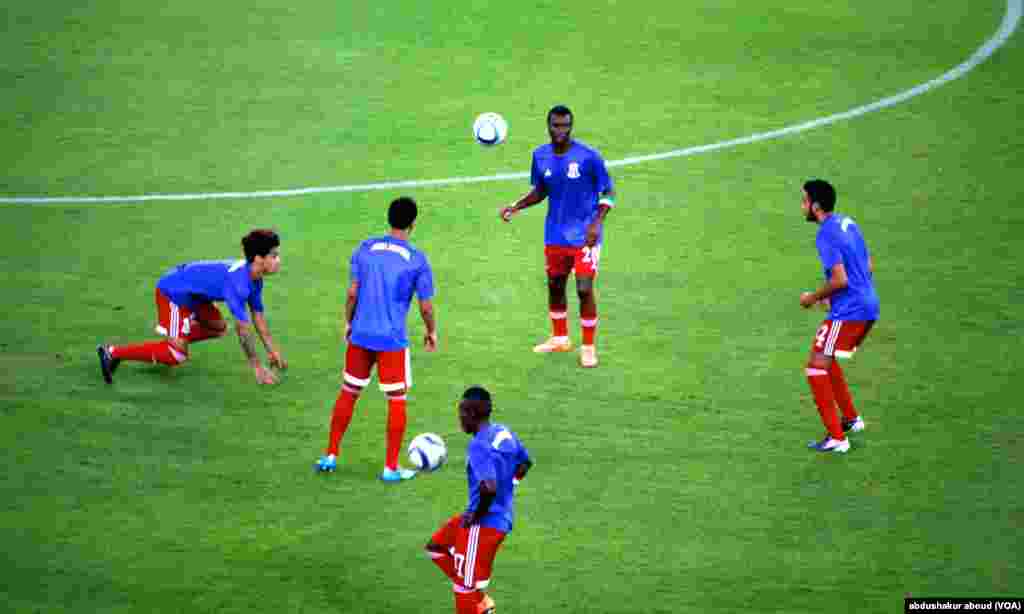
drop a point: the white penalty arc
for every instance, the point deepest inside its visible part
(1011, 20)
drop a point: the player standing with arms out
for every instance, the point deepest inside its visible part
(573, 178)
(186, 313)
(385, 272)
(853, 309)
(465, 546)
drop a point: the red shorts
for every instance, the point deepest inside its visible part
(473, 548)
(393, 368)
(840, 338)
(563, 259)
(175, 321)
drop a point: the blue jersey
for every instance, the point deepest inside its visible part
(839, 241)
(206, 281)
(388, 271)
(573, 182)
(493, 454)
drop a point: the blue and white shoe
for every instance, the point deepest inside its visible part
(828, 444)
(396, 475)
(326, 464)
(856, 425)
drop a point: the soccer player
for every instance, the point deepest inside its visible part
(465, 546)
(850, 296)
(186, 313)
(385, 273)
(573, 177)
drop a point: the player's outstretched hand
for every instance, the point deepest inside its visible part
(264, 376)
(276, 360)
(806, 299)
(506, 213)
(430, 342)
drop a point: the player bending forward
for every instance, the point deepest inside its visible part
(465, 546)
(186, 313)
(385, 273)
(580, 194)
(849, 290)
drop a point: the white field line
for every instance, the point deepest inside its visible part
(1006, 29)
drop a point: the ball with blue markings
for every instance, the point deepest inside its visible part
(490, 129)
(427, 452)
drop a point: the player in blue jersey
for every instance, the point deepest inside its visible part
(849, 293)
(465, 546)
(186, 313)
(574, 180)
(385, 273)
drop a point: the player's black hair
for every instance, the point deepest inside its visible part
(481, 400)
(402, 213)
(259, 242)
(821, 192)
(559, 109)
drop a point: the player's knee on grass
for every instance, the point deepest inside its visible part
(817, 360)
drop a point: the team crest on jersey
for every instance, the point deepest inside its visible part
(547, 172)
(574, 170)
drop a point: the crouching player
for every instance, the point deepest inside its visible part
(186, 313)
(465, 546)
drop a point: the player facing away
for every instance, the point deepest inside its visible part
(573, 177)
(465, 546)
(385, 273)
(186, 313)
(849, 293)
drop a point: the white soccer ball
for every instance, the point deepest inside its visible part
(427, 452)
(490, 129)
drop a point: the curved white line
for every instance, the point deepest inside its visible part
(1006, 29)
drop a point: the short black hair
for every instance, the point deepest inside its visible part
(559, 109)
(821, 192)
(259, 242)
(402, 213)
(479, 400)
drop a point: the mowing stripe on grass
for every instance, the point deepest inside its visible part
(1006, 29)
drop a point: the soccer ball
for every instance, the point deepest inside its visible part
(427, 452)
(490, 129)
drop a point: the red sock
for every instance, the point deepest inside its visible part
(154, 351)
(446, 563)
(588, 319)
(821, 386)
(466, 603)
(559, 321)
(396, 430)
(343, 407)
(842, 391)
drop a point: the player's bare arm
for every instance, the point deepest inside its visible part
(536, 195)
(273, 355)
(247, 339)
(488, 491)
(427, 313)
(838, 281)
(604, 205)
(522, 469)
(351, 299)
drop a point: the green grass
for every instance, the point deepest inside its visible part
(670, 479)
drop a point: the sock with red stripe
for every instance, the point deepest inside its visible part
(396, 430)
(821, 387)
(559, 321)
(344, 405)
(588, 320)
(842, 391)
(154, 351)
